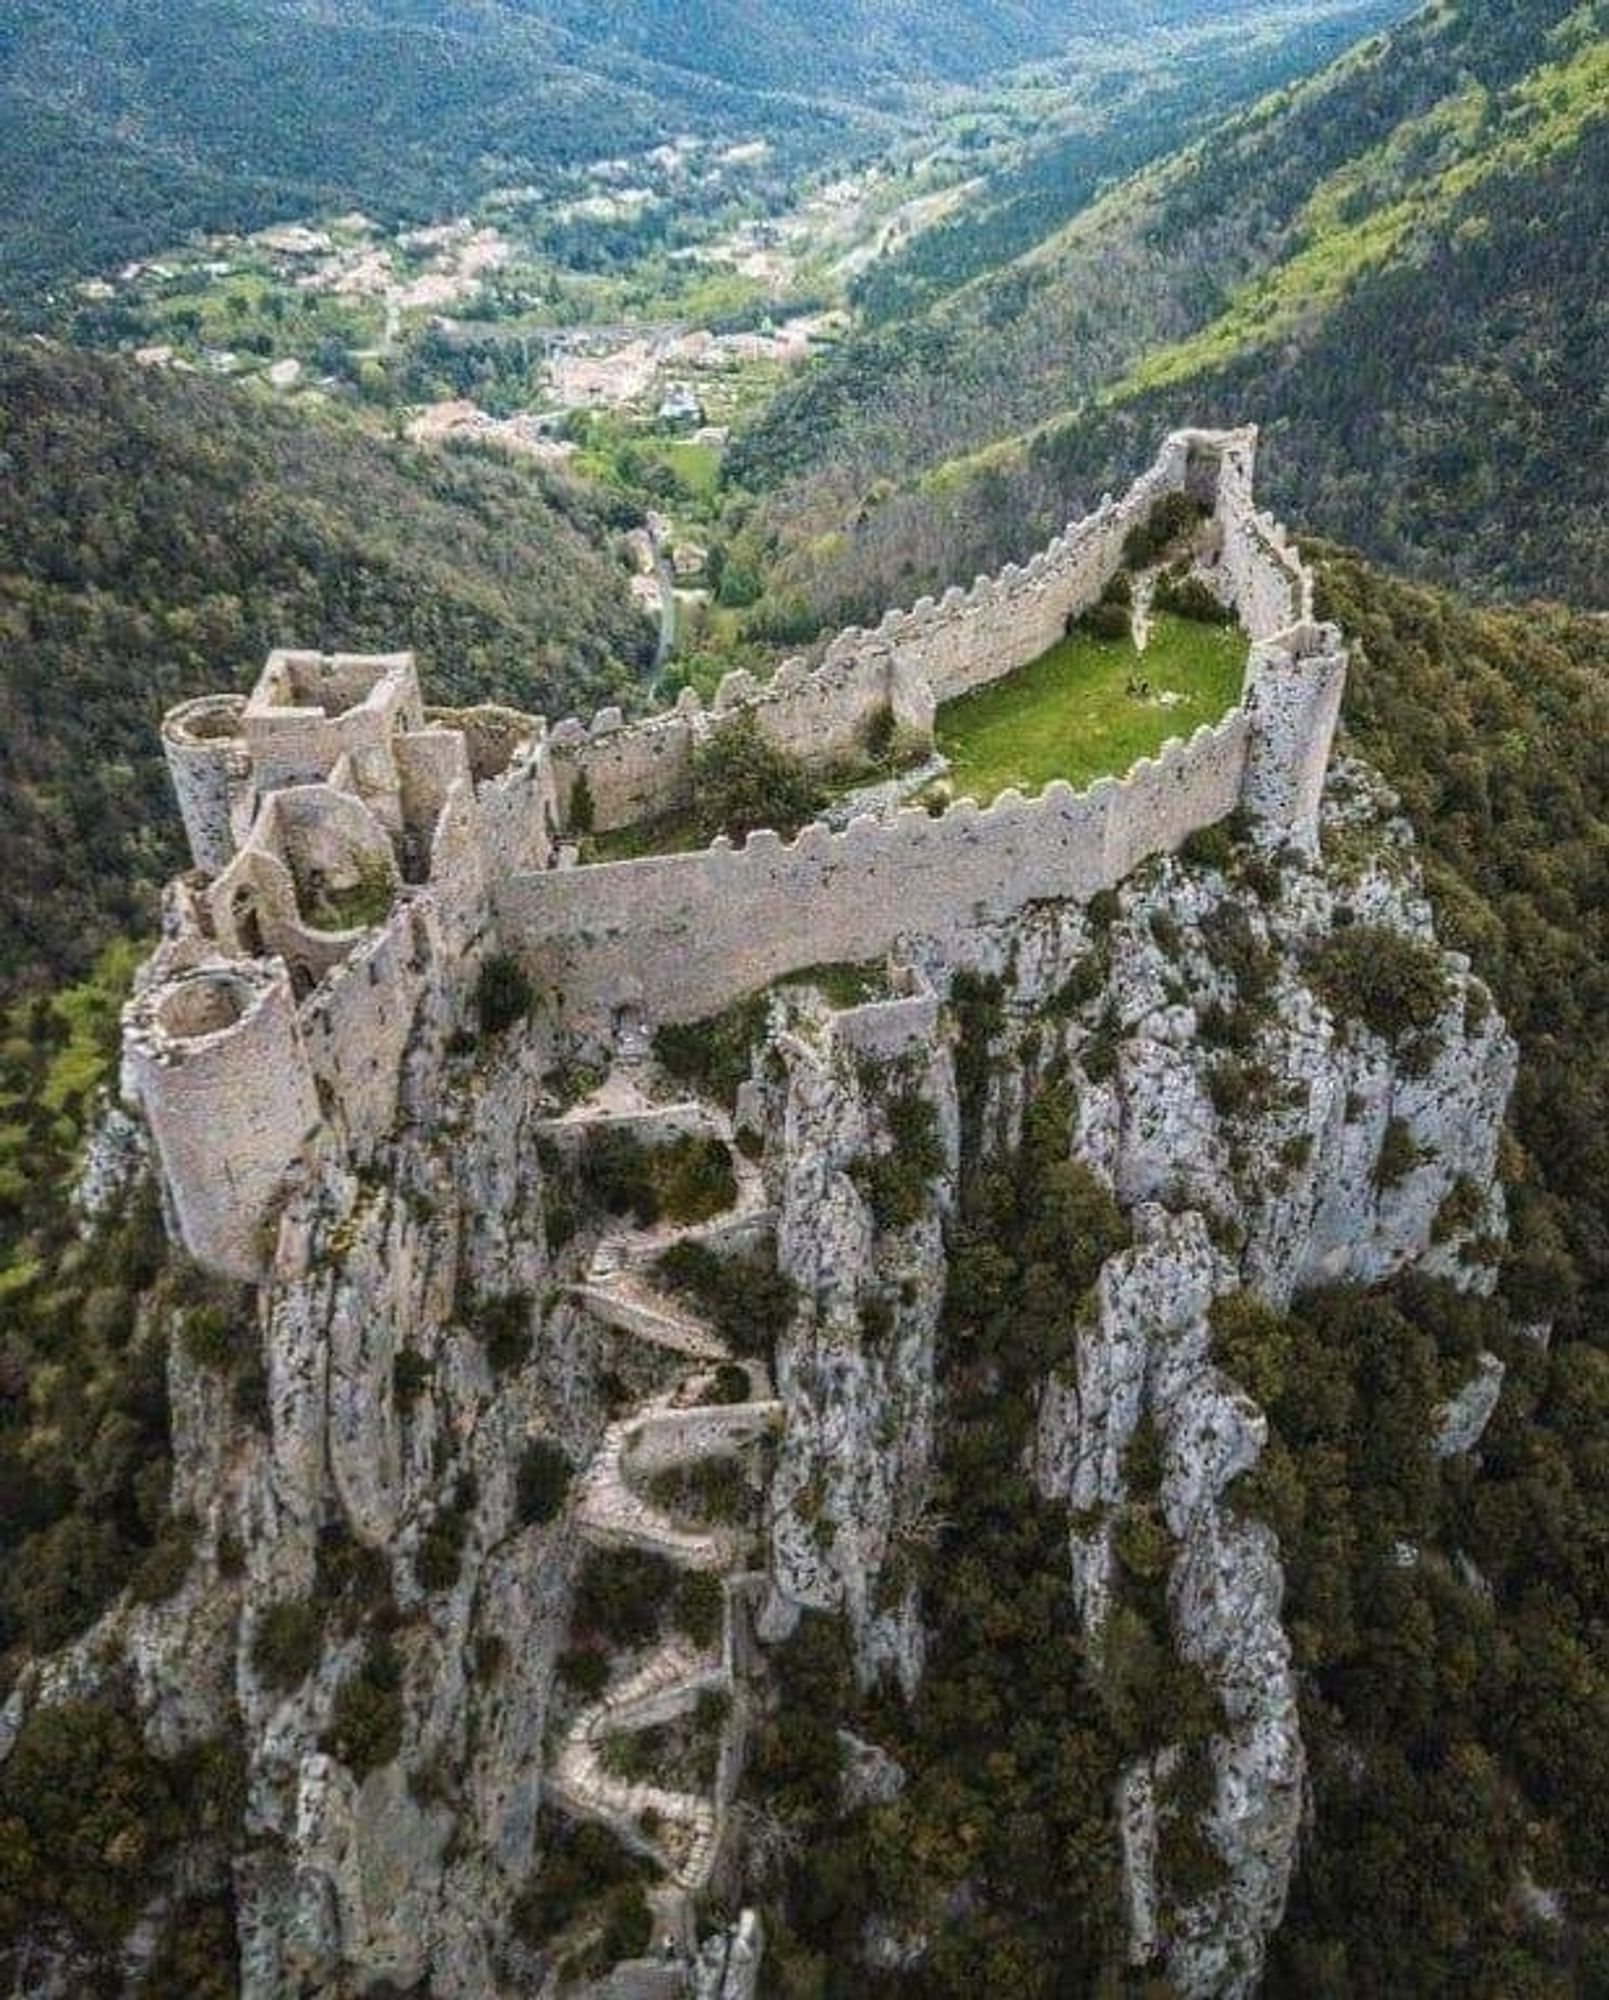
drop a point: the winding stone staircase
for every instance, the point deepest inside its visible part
(679, 1830)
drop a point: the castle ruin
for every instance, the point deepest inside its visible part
(358, 857)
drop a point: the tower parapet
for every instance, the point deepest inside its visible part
(205, 746)
(215, 1060)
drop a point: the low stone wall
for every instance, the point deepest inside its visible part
(680, 936)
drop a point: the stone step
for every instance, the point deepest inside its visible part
(619, 1300)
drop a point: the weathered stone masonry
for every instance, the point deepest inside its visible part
(357, 855)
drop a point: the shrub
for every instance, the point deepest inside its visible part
(711, 1491)
(163, 1568)
(714, 1055)
(88, 1814)
(621, 1593)
(1188, 597)
(585, 1671)
(211, 1336)
(1170, 518)
(1252, 1342)
(1463, 1210)
(365, 1730)
(876, 1322)
(747, 1300)
(288, 1642)
(440, 1554)
(689, 1180)
(411, 1375)
(581, 1864)
(731, 1384)
(503, 994)
(1391, 983)
(583, 813)
(503, 1327)
(1106, 620)
(693, 1179)
(542, 1482)
(1398, 1156)
(742, 781)
(895, 1183)
(698, 1607)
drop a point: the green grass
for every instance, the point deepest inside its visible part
(1070, 714)
(696, 466)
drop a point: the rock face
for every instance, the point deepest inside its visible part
(1255, 1141)
(856, 1370)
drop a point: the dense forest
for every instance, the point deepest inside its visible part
(1396, 269)
(159, 534)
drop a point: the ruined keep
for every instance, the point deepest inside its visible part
(358, 856)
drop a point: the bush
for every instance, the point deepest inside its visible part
(1172, 517)
(161, 1571)
(503, 994)
(698, 1608)
(895, 1184)
(711, 1491)
(365, 1731)
(731, 1384)
(747, 1300)
(585, 1671)
(1398, 1156)
(621, 1593)
(212, 1336)
(1188, 597)
(713, 1056)
(503, 1327)
(440, 1554)
(689, 1180)
(582, 1864)
(582, 809)
(411, 1375)
(1392, 983)
(741, 781)
(1252, 1342)
(88, 1815)
(542, 1482)
(693, 1179)
(1107, 620)
(288, 1642)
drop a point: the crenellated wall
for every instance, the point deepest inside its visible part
(678, 936)
(903, 670)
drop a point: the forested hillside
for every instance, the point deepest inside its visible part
(158, 535)
(1396, 269)
(115, 141)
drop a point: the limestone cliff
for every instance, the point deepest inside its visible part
(399, 1616)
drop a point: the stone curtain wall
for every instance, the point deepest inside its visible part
(679, 936)
(911, 663)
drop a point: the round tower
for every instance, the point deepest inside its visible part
(205, 745)
(215, 1060)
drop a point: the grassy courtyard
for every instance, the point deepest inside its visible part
(1076, 713)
